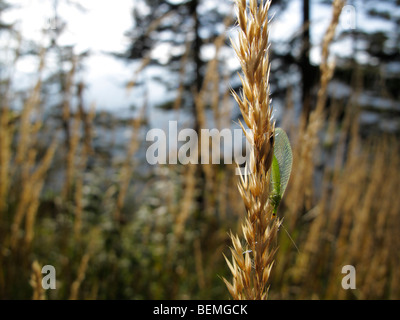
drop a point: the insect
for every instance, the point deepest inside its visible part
(280, 169)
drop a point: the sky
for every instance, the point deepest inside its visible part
(87, 29)
(101, 27)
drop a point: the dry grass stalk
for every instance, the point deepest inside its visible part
(29, 201)
(226, 106)
(30, 174)
(71, 138)
(127, 168)
(74, 138)
(327, 68)
(36, 282)
(25, 126)
(305, 148)
(93, 246)
(302, 189)
(132, 83)
(182, 69)
(6, 133)
(26, 153)
(86, 150)
(251, 263)
(198, 256)
(209, 93)
(87, 119)
(80, 277)
(5, 155)
(186, 202)
(215, 77)
(37, 180)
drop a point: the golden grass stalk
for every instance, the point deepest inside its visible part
(86, 150)
(25, 134)
(36, 282)
(182, 69)
(308, 136)
(302, 189)
(37, 180)
(198, 257)
(127, 167)
(30, 174)
(80, 277)
(187, 200)
(252, 262)
(209, 94)
(327, 68)
(29, 201)
(5, 155)
(6, 133)
(71, 138)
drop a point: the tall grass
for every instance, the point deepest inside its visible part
(252, 262)
(114, 230)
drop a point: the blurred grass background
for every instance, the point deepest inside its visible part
(75, 195)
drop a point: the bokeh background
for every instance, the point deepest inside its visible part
(81, 84)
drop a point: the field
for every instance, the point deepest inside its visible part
(115, 227)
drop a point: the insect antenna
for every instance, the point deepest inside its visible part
(291, 239)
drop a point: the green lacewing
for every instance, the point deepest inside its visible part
(281, 168)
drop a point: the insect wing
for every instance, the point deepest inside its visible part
(284, 156)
